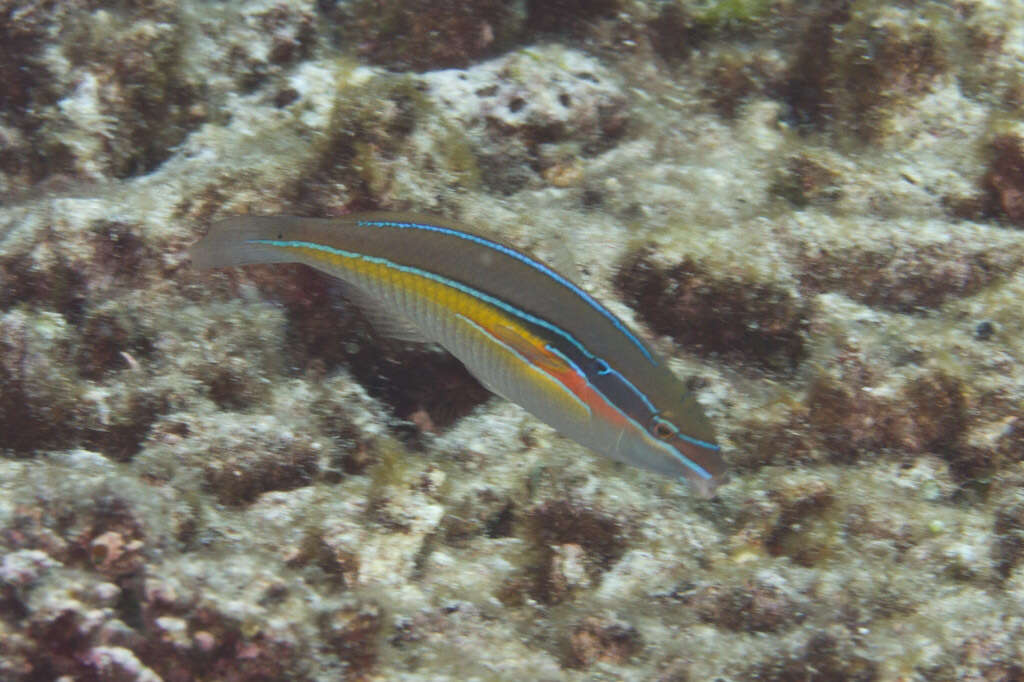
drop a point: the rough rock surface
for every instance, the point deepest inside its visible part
(814, 209)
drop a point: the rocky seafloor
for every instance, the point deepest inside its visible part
(816, 210)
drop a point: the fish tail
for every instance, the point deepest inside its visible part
(234, 241)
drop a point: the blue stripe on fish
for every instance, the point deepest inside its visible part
(540, 267)
(512, 310)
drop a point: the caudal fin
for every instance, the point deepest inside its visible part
(229, 242)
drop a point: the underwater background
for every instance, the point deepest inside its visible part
(816, 210)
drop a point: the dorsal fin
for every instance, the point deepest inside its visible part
(561, 259)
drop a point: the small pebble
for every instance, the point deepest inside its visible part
(984, 330)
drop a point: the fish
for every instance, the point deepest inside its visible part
(527, 332)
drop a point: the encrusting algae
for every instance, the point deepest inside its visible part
(811, 211)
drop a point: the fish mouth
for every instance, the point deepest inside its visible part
(705, 469)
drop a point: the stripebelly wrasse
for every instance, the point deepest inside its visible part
(525, 331)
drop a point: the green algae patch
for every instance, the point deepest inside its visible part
(459, 157)
(724, 12)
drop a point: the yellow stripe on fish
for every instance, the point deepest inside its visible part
(537, 363)
(525, 331)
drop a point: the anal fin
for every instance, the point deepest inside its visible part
(385, 322)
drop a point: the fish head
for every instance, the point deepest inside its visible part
(683, 441)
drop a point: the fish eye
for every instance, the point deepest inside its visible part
(663, 428)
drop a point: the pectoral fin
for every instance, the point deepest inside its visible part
(537, 355)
